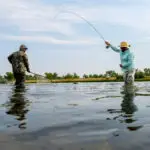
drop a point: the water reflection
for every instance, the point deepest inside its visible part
(17, 106)
(128, 107)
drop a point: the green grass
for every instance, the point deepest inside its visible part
(75, 81)
(83, 80)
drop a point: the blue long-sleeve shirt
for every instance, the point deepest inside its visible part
(127, 59)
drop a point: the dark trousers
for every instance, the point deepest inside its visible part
(20, 79)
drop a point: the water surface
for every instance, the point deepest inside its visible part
(83, 116)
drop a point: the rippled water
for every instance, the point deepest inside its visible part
(83, 116)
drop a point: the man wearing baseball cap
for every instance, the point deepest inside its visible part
(127, 61)
(20, 65)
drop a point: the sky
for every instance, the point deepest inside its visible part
(61, 42)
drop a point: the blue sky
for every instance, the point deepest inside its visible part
(68, 44)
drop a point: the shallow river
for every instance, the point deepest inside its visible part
(83, 116)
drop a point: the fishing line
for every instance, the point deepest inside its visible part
(89, 23)
(40, 77)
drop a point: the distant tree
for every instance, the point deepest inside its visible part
(30, 77)
(55, 75)
(49, 75)
(85, 76)
(139, 74)
(68, 76)
(71, 76)
(75, 76)
(147, 71)
(100, 75)
(90, 76)
(95, 76)
(119, 77)
(110, 73)
(2, 79)
(9, 76)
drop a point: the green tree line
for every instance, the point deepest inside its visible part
(139, 74)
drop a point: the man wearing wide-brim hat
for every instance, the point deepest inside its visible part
(127, 61)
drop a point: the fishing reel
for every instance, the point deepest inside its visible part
(107, 46)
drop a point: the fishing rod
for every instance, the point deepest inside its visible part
(89, 23)
(39, 75)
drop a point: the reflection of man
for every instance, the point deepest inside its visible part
(128, 106)
(20, 64)
(17, 106)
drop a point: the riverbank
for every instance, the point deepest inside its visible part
(84, 80)
(73, 80)
(113, 79)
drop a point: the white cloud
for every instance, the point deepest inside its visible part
(51, 40)
(33, 16)
(131, 17)
(36, 16)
